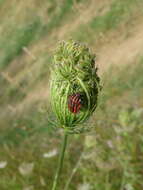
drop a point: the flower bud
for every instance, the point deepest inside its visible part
(74, 84)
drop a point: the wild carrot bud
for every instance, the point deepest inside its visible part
(74, 84)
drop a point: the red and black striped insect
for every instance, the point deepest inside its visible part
(75, 102)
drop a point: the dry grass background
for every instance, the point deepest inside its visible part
(29, 33)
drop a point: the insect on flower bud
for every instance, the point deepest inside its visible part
(74, 84)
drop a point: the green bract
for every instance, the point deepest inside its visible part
(74, 71)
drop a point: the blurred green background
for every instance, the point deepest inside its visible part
(110, 157)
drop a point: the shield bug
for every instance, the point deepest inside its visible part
(75, 102)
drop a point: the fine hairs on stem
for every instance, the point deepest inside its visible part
(60, 163)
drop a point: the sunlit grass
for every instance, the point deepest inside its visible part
(112, 152)
(119, 13)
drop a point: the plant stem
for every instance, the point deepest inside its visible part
(60, 164)
(74, 171)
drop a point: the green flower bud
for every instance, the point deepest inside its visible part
(74, 84)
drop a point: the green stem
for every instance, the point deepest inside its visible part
(60, 164)
(73, 171)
